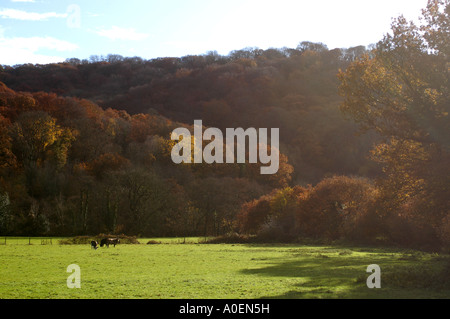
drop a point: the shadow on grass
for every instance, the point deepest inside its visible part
(317, 277)
(331, 272)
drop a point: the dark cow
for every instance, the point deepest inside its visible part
(109, 241)
(94, 244)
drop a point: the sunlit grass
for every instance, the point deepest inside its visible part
(172, 270)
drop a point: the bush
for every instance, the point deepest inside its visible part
(272, 211)
(78, 240)
(275, 233)
(344, 209)
(339, 207)
(407, 232)
(254, 215)
(231, 238)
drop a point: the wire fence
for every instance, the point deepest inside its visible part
(27, 241)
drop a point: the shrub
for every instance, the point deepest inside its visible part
(338, 207)
(404, 232)
(274, 210)
(231, 238)
(254, 215)
(78, 240)
(275, 233)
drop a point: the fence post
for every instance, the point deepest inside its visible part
(29, 240)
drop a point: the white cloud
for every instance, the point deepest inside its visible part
(93, 15)
(117, 33)
(29, 16)
(21, 50)
(36, 43)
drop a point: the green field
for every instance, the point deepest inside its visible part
(201, 271)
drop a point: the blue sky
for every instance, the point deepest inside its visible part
(45, 31)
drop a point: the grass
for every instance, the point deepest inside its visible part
(171, 270)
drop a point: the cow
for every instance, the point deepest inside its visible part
(94, 244)
(109, 241)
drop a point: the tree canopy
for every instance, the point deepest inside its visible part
(85, 145)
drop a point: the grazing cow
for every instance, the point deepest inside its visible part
(109, 241)
(94, 244)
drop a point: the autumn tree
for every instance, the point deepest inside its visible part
(7, 158)
(254, 214)
(219, 200)
(338, 207)
(272, 217)
(401, 91)
(42, 148)
(37, 137)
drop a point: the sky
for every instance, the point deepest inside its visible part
(48, 31)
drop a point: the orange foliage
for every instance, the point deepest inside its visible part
(335, 208)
